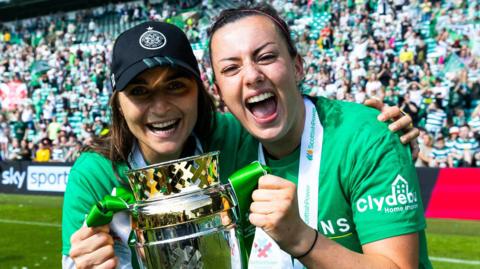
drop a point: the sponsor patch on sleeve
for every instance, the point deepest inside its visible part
(401, 198)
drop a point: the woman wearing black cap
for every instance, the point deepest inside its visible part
(160, 111)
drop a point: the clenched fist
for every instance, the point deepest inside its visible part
(275, 210)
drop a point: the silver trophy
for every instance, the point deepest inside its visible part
(183, 217)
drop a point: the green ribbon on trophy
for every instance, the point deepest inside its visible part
(102, 212)
(244, 181)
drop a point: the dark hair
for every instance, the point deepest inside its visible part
(117, 144)
(234, 14)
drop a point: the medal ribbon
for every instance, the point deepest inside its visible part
(266, 253)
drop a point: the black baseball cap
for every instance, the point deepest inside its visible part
(148, 45)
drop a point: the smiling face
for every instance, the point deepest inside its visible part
(257, 78)
(160, 109)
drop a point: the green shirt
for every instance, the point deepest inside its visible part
(18, 129)
(368, 187)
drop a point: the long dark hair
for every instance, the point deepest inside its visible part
(117, 144)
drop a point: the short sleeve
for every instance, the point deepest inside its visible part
(385, 195)
(89, 180)
(76, 204)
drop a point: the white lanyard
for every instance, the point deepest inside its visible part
(265, 251)
(136, 160)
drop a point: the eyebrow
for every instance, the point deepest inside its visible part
(255, 52)
(176, 75)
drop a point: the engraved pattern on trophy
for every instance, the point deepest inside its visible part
(182, 176)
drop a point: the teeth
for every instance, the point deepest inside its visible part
(163, 124)
(259, 98)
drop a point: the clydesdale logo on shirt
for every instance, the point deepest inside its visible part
(402, 198)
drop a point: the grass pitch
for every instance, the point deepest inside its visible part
(31, 236)
(453, 239)
(30, 231)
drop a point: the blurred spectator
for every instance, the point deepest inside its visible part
(25, 152)
(27, 115)
(440, 154)
(409, 107)
(459, 118)
(464, 148)
(53, 129)
(41, 134)
(373, 86)
(58, 152)
(406, 55)
(18, 126)
(436, 118)
(14, 151)
(424, 156)
(73, 152)
(452, 137)
(4, 135)
(44, 151)
(474, 122)
(423, 56)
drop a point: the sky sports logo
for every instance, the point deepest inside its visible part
(12, 177)
(36, 177)
(47, 178)
(400, 199)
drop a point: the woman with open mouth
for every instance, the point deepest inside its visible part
(343, 192)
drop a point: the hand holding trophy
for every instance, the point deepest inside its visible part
(183, 216)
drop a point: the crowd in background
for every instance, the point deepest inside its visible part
(421, 55)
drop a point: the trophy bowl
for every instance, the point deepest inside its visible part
(183, 217)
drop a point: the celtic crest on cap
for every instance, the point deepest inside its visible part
(152, 40)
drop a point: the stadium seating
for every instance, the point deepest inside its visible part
(76, 47)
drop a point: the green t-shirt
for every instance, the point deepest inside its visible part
(368, 187)
(18, 129)
(90, 179)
